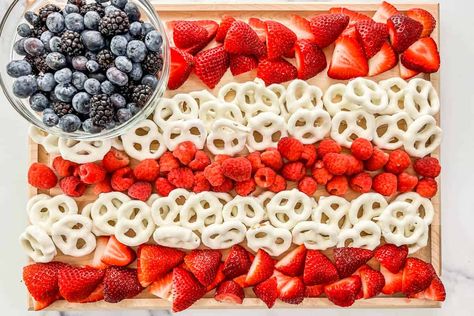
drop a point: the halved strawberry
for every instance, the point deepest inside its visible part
(186, 289)
(372, 36)
(210, 26)
(240, 64)
(224, 26)
(435, 292)
(155, 261)
(403, 31)
(292, 264)
(120, 283)
(302, 28)
(229, 291)
(314, 290)
(417, 276)
(310, 59)
(267, 291)
(318, 269)
(162, 286)
(348, 60)
(76, 284)
(327, 27)
(391, 257)
(41, 280)
(117, 254)
(220, 276)
(393, 281)
(237, 262)
(354, 16)
(240, 280)
(422, 56)
(182, 64)
(425, 18)
(276, 71)
(210, 65)
(406, 73)
(349, 259)
(101, 245)
(261, 268)
(203, 264)
(384, 12)
(188, 34)
(344, 292)
(96, 295)
(372, 281)
(259, 27)
(241, 39)
(291, 290)
(383, 61)
(280, 39)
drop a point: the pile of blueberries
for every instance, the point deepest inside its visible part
(89, 66)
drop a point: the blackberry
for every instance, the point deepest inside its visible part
(141, 94)
(78, 3)
(38, 63)
(62, 108)
(92, 7)
(45, 11)
(38, 30)
(126, 91)
(153, 63)
(102, 110)
(114, 23)
(106, 59)
(71, 44)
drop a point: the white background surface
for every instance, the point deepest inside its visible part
(457, 100)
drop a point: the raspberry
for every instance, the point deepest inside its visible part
(361, 182)
(41, 176)
(102, 187)
(72, 186)
(406, 182)
(335, 163)
(308, 185)
(377, 160)
(163, 187)
(226, 186)
(427, 187)
(246, 187)
(238, 169)
(362, 149)
(337, 185)
(264, 177)
(398, 161)
(140, 190)
(147, 170)
(214, 174)
(91, 173)
(427, 167)
(63, 167)
(255, 161)
(279, 184)
(309, 155)
(293, 171)
(220, 158)
(200, 182)
(182, 177)
(272, 158)
(122, 179)
(320, 173)
(328, 146)
(385, 183)
(168, 162)
(354, 165)
(115, 160)
(290, 148)
(185, 152)
(201, 160)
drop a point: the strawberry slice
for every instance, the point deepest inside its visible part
(120, 283)
(354, 17)
(240, 280)
(435, 292)
(302, 28)
(291, 290)
(422, 56)
(155, 261)
(372, 36)
(188, 35)
(41, 280)
(292, 264)
(276, 71)
(384, 12)
(96, 295)
(210, 65)
(391, 257)
(186, 289)
(237, 262)
(259, 27)
(224, 26)
(349, 259)
(240, 64)
(261, 268)
(203, 264)
(230, 292)
(314, 290)
(403, 31)
(117, 254)
(383, 61)
(310, 59)
(344, 292)
(425, 18)
(417, 276)
(393, 281)
(327, 27)
(162, 286)
(318, 269)
(348, 60)
(267, 291)
(241, 39)
(406, 73)
(211, 28)
(372, 281)
(76, 284)
(220, 276)
(101, 245)
(182, 64)
(280, 40)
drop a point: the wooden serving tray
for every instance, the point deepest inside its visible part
(279, 12)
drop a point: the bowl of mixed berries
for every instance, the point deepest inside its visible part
(83, 69)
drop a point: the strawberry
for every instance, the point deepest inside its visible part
(261, 268)
(406, 73)
(344, 292)
(182, 64)
(372, 36)
(220, 276)
(101, 245)
(348, 60)
(154, 261)
(391, 257)
(117, 254)
(353, 16)
(393, 281)
(96, 295)
(302, 28)
(76, 284)
(372, 281)
(435, 292)
(349, 259)
(211, 27)
(210, 65)
(327, 27)
(280, 39)
(417, 276)
(318, 269)
(189, 35)
(259, 27)
(224, 26)
(186, 289)
(229, 291)
(203, 264)
(41, 280)
(276, 71)
(422, 56)
(403, 31)
(383, 61)
(240, 280)
(120, 283)
(237, 262)
(291, 290)
(384, 12)
(240, 64)
(241, 39)
(310, 59)
(162, 286)
(425, 18)
(292, 264)
(267, 291)
(314, 290)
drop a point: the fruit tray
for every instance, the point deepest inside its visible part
(279, 12)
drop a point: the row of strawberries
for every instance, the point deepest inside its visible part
(364, 46)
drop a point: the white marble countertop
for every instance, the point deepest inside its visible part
(457, 96)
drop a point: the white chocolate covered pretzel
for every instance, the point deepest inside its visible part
(266, 129)
(201, 210)
(176, 132)
(34, 199)
(104, 211)
(117, 143)
(202, 96)
(364, 234)
(315, 235)
(218, 109)
(421, 98)
(48, 141)
(346, 126)
(301, 95)
(309, 126)
(273, 240)
(153, 197)
(244, 209)
(395, 88)
(47, 211)
(280, 91)
(37, 244)
(264, 198)
(390, 130)
(423, 205)
(227, 137)
(332, 210)
(422, 137)
(83, 151)
(134, 223)
(287, 208)
(144, 141)
(223, 236)
(86, 211)
(176, 237)
(366, 94)
(366, 207)
(166, 210)
(181, 107)
(334, 100)
(72, 235)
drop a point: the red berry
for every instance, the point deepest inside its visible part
(328, 146)
(361, 182)
(377, 160)
(362, 149)
(398, 161)
(114, 160)
(72, 186)
(182, 177)
(214, 174)
(290, 148)
(335, 163)
(320, 173)
(337, 185)
(102, 187)
(226, 186)
(140, 190)
(272, 158)
(264, 177)
(168, 162)
(255, 161)
(63, 167)
(427, 187)
(246, 187)
(427, 167)
(122, 179)
(238, 169)
(163, 187)
(309, 155)
(147, 170)
(293, 171)
(220, 158)
(41, 176)
(201, 160)
(308, 185)
(91, 173)
(385, 183)
(185, 152)
(406, 182)
(354, 165)
(279, 184)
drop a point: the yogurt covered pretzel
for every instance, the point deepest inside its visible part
(266, 129)
(334, 100)
(48, 141)
(192, 130)
(148, 144)
(86, 211)
(223, 236)
(395, 88)
(421, 98)
(34, 199)
(212, 110)
(366, 94)
(346, 126)
(366, 207)
(227, 137)
(332, 210)
(134, 216)
(274, 241)
(364, 234)
(202, 96)
(422, 137)
(166, 210)
(280, 91)
(245, 209)
(37, 244)
(117, 143)
(315, 235)
(104, 211)
(201, 210)
(45, 212)
(301, 95)
(176, 237)
(72, 235)
(181, 107)
(388, 131)
(83, 151)
(423, 205)
(309, 126)
(287, 208)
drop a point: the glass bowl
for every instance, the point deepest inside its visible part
(8, 36)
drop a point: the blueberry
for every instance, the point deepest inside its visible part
(135, 29)
(89, 127)
(132, 11)
(98, 76)
(55, 22)
(63, 76)
(19, 47)
(123, 64)
(137, 72)
(117, 77)
(150, 81)
(34, 46)
(93, 40)
(79, 63)
(23, 30)
(78, 79)
(136, 51)
(56, 60)
(69, 123)
(123, 115)
(153, 41)
(92, 86)
(39, 102)
(90, 56)
(50, 119)
(46, 82)
(107, 87)
(110, 8)
(119, 3)
(134, 109)
(118, 101)
(92, 66)
(81, 102)
(91, 20)
(110, 125)
(46, 38)
(147, 28)
(128, 36)
(32, 18)
(74, 22)
(18, 68)
(65, 91)
(118, 45)
(25, 86)
(54, 44)
(70, 8)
